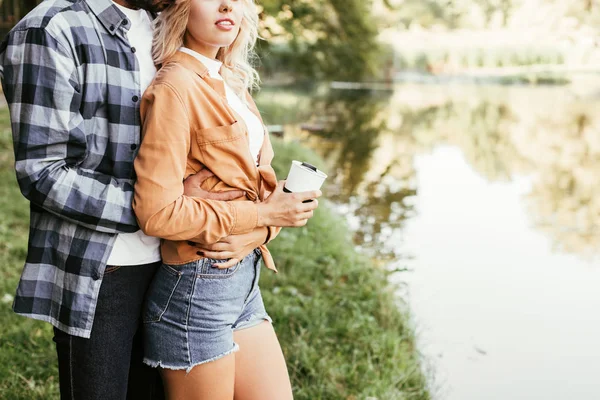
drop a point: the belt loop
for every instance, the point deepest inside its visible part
(200, 265)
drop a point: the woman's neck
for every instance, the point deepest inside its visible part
(201, 48)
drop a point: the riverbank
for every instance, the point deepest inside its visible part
(343, 334)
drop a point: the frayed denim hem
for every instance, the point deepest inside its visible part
(254, 321)
(159, 364)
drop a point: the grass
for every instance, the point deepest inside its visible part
(27, 357)
(338, 320)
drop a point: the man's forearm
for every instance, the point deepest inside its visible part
(86, 198)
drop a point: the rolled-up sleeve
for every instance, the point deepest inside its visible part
(159, 202)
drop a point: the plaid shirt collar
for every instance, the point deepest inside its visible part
(109, 15)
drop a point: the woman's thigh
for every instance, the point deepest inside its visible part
(211, 381)
(260, 370)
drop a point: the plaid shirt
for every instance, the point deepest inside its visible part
(72, 84)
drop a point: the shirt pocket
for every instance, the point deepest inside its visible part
(219, 134)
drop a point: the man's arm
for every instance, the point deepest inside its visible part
(43, 91)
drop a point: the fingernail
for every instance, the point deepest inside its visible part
(215, 265)
(200, 253)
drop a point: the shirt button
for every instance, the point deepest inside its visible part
(112, 28)
(125, 22)
(135, 99)
(133, 50)
(133, 146)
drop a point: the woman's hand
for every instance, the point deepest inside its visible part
(287, 209)
(234, 247)
(191, 187)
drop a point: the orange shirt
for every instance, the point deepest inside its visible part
(187, 126)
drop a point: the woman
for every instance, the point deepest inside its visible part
(198, 114)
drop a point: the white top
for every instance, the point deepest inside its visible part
(256, 130)
(137, 248)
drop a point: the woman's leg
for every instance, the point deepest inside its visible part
(211, 381)
(260, 370)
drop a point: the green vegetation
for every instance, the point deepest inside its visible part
(479, 57)
(338, 320)
(27, 356)
(324, 39)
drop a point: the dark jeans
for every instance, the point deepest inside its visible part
(108, 366)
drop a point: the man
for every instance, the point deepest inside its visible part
(73, 73)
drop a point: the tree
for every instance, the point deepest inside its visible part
(327, 39)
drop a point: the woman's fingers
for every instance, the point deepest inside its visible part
(227, 264)
(305, 216)
(217, 255)
(309, 206)
(312, 195)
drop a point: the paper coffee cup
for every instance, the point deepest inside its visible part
(304, 177)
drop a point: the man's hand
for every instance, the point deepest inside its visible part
(192, 188)
(234, 247)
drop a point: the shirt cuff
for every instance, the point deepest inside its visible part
(246, 216)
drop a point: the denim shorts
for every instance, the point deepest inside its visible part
(192, 310)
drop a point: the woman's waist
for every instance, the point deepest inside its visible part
(184, 253)
(182, 264)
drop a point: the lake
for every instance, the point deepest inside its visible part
(485, 200)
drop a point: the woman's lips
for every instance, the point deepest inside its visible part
(225, 24)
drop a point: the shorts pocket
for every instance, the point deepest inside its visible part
(209, 272)
(161, 291)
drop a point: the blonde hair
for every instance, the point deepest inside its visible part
(240, 75)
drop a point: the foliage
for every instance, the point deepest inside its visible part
(324, 39)
(27, 355)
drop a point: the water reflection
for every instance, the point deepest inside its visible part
(355, 120)
(494, 191)
(370, 139)
(347, 129)
(565, 197)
